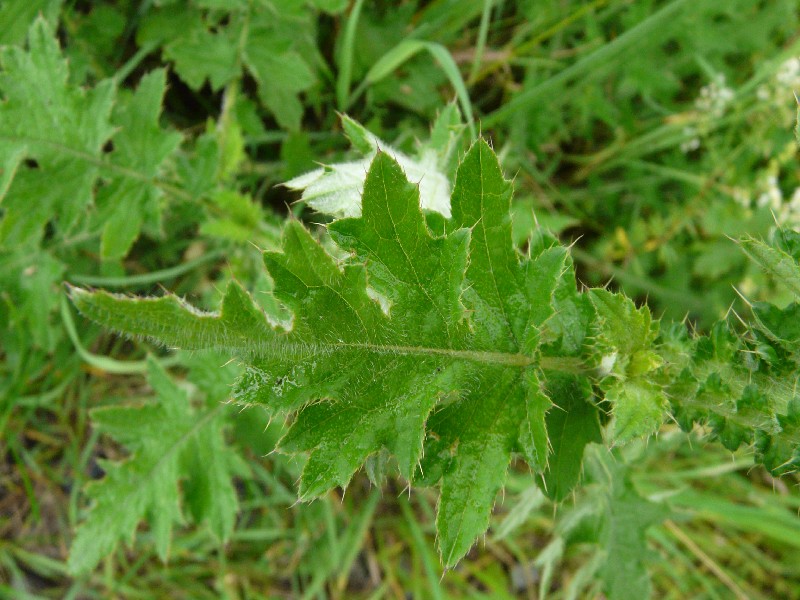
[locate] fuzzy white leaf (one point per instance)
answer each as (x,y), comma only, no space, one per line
(336,189)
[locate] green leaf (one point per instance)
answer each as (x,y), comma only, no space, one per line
(626,330)
(204,56)
(52,138)
(438,342)
(240,217)
(744,393)
(625,336)
(30,284)
(623,537)
(571,425)
(413,339)
(639,408)
(611,515)
(59,128)
(177,452)
(239,327)
(17,15)
(279,54)
(780,451)
(276,45)
(141,146)
(774,261)
(780,325)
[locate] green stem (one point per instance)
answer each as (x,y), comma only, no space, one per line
(480,45)
(133,62)
(345,77)
(145,279)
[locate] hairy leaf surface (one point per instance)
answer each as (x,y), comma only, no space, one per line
(416,341)
(438,341)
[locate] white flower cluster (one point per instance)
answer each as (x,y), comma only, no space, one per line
(741,196)
(711,104)
(769,195)
(714,97)
(789,73)
(778,91)
(691,141)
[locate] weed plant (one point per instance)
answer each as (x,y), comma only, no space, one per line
(142,151)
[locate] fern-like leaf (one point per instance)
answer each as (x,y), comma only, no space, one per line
(173,446)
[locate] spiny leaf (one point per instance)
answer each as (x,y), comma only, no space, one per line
(408,322)
(717,380)
(168,440)
(625,337)
(780,325)
(452,350)
(780,451)
(775,261)
(239,327)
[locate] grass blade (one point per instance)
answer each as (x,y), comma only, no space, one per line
(603,56)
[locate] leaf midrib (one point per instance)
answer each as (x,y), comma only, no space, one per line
(568,364)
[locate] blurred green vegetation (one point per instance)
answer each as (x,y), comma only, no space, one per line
(646,133)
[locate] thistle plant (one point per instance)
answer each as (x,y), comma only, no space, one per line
(438,342)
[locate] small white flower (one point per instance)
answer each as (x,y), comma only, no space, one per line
(714,97)
(742,197)
(692,141)
(772,196)
(690,145)
(607,364)
(789,73)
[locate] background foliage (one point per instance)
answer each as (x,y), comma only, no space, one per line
(140,148)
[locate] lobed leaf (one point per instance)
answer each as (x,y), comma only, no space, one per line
(438,342)
(141,146)
(415,339)
(168,440)
(625,337)
(59,128)
(52,148)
